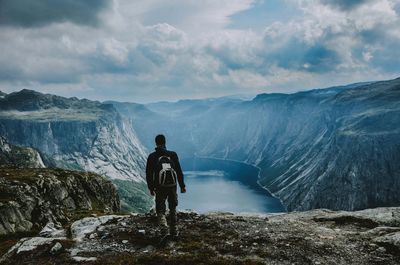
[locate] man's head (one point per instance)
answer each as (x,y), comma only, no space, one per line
(160,140)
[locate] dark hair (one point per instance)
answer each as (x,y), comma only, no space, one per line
(160,139)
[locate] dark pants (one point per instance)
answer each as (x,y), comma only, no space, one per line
(169,194)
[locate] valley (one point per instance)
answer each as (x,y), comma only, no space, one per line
(220,185)
(335,148)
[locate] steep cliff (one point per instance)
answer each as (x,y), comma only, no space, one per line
(337,148)
(78,134)
(83,133)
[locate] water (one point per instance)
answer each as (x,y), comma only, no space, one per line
(221,185)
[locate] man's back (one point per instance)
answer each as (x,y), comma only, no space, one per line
(157,187)
(151,167)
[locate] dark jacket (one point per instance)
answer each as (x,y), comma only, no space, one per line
(151,164)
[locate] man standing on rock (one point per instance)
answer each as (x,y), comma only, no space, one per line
(163,171)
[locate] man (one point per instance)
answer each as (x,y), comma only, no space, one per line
(162,172)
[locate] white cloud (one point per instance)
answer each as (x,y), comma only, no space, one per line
(152,50)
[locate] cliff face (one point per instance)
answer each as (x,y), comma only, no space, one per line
(337,148)
(77,134)
(313,237)
(351,161)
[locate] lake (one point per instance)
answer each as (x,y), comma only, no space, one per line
(224,185)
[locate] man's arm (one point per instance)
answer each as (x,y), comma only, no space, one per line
(179,172)
(149,173)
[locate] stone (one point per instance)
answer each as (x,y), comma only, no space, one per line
(84,259)
(31,244)
(80,228)
(56,248)
(50,230)
(392,239)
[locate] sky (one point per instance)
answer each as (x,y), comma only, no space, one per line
(152,50)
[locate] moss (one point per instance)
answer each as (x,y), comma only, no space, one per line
(350,220)
(7,241)
(22,175)
(160,258)
(42,255)
(6,196)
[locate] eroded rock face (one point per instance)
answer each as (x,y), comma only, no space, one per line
(19,157)
(311,237)
(74,133)
(78,134)
(30,198)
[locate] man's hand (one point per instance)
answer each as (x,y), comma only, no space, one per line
(152,192)
(183,189)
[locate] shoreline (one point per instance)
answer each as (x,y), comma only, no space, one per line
(257,181)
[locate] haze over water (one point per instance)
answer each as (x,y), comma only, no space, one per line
(221,189)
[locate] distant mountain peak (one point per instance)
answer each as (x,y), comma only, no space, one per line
(29,100)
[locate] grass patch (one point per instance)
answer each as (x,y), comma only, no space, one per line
(160,258)
(134,196)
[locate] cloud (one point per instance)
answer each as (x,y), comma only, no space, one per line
(345,4)
(146,51)
(28,13)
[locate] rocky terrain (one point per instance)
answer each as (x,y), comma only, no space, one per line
(336,148)
(19,157)
(78,134)
(314,237)
(32,196)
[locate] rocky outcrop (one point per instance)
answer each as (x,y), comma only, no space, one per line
(19,157)
(313,237)
(31,198)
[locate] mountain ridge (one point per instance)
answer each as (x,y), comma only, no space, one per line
(78,134)
(301,141)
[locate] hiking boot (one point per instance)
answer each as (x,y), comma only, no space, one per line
(162,223)
(174,232)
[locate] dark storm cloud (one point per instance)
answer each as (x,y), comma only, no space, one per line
(297,55)
(344,4)
(36,13)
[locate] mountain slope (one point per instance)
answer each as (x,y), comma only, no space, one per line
(88,134)
(76,134)
(337,148)
(31,195)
